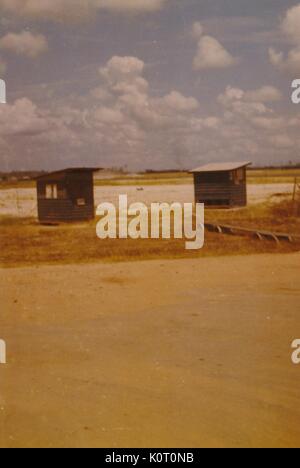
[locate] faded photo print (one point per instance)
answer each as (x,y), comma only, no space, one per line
(149,226)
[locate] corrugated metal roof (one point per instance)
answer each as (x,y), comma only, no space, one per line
(69,171)
(222,167)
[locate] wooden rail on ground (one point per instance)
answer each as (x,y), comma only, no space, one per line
(256,233)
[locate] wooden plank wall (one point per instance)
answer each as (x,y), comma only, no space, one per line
(63,211)
(219,190)
(66,209)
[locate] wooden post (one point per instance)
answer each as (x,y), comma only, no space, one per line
(296,199)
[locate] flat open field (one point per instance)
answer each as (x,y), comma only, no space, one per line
(186,353)
(21,202)
(24,242)
(255,176)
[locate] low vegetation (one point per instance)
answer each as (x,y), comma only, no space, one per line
(25,243)
(280,217)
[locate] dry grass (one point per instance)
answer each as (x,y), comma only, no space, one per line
(24,242)
(278,217)
(273,176)
(22,184)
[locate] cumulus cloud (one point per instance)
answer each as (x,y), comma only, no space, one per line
(130,97)
(211,54)
(250,126)
(291,24)
(167,131)
(177,102)
(250,106)
(247,112)
(289,64)
(290,27)
(21,118)
(263,94)
(24,43)
(76,10)
(121,122)
(120,69)
(230,95)
(120,116)
(106,115)
(269,123)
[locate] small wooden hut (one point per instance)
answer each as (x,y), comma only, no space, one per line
(66,196)
(222,185)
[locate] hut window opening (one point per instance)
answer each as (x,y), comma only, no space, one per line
(81,202)
(51,192)
(239,176)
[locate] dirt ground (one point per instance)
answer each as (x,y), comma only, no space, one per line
(22,201)
(185,353)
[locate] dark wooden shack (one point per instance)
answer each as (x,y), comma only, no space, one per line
(66,196)
(221,185)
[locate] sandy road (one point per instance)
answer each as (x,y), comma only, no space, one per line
(157,354)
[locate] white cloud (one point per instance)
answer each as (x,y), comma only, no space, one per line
(290,26)
(249,107)
(24,43)
(100,94)
(177,102)
(122,69)
(289,64)
(230,95)
(269,123)
(106,115)
(76,10)
(120,116)
(211,54)
(21,118)
(211,122)
(263,94)
(256,128)
(121,122)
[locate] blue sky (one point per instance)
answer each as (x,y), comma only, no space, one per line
(148,83)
